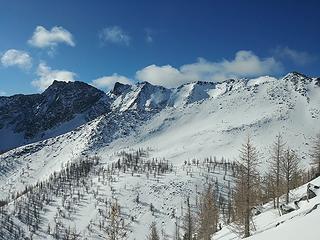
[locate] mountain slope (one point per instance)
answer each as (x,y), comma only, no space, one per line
(59,109)
(218,124)
(215,126)
(299,224)
(180,127)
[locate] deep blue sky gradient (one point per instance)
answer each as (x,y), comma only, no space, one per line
(182,31)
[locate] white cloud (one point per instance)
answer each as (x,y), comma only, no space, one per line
(107,82)
(3,93)
(167,75)
(245,64)
(43,38)
(297,57)
(116,35)
(46,76)
(18,58)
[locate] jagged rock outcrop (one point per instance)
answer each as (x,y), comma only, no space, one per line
(32,115)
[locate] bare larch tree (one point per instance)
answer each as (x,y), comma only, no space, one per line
(153,235)
(277,151)
(246,189)
(289,170)
(208,214)
(315,153)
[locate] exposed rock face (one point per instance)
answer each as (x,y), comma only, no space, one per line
(61,102)
(120,88)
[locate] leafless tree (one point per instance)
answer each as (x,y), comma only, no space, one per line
(289,170)
(208,214)
(246,190)
(277,151)
(315,153)
(188,223)
(115,228)
(153,235)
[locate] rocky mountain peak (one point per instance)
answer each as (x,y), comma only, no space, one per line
(60,104)
(120,88)
(75,103)
(296,76)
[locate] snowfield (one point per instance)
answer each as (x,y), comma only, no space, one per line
(181,127)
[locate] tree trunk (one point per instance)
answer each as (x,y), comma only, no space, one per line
(247,215)
(288,189)
(247,224)
(278,179)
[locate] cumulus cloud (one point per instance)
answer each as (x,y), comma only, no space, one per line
(107,82)
(245,64)
(167,75)
(43,38)
(297,57)
(46,76)
(18,58)
(116,35)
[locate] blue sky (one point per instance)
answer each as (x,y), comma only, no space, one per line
(163,42)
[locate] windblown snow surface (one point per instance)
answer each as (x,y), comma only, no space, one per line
(197,122)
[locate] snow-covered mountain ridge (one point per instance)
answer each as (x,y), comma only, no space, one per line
(65,106)
(213,115)
(196,120)
(60,108)
(192,122)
